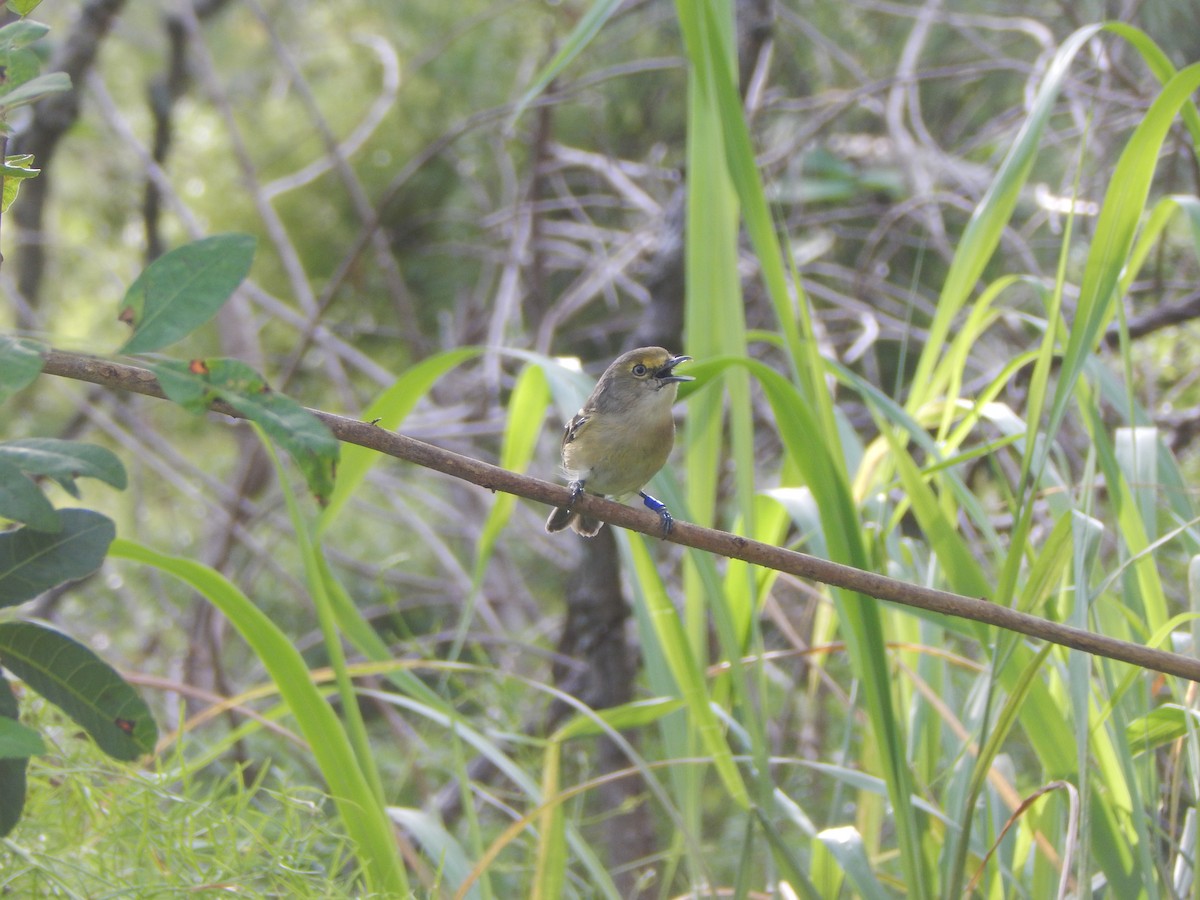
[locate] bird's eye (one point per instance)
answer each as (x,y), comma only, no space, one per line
(639,370)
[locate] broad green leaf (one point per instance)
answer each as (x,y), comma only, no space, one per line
(20,364)
(19,165)
(35,89)
(183,289)
(33,561)
(85,687)
(526,413)
(21,501)
(22,33)
(196,385)
(12,771)
(18,741)
(783,851)
(824,473)
(22,66)
(23,7)
(64,461)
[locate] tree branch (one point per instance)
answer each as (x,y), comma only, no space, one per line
(141,381)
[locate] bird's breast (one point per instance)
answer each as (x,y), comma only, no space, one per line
(621,452)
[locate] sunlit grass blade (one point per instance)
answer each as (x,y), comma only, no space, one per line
(714,325)
(317,576)
(362,816)
(1116,226)
(955,558)
(1143,592)
(1001,728)
(550,866)
(1160,65)
(586,28)
(688,676)
(526,413)
(982,234)
(858,617)
(387,411)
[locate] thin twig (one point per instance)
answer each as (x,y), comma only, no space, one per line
(131,378)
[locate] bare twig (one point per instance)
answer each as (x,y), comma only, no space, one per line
(137,380)
(1162,315)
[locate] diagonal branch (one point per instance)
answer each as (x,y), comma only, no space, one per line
(722,543)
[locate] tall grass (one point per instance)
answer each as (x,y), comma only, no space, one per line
(893,753)
(953,749)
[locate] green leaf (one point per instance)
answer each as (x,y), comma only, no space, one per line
(21,66)
(15,170)
(183,289)
(21,501)
(19,166)
(618,718)
(197,384)
(189,384)
(35,89)
(12,771)
(86,688)
(982,233)
(526,413)
(18,741)
(846,844)
(581,35)
(365,819)
(19,34)
(64,461)
(33,561)
(1118,222)
(20,364)
(388,410)
(689,677)
(1158,727)
(23,7)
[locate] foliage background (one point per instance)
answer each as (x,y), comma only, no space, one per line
(404,207)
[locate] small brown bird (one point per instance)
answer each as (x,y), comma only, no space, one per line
(622,436)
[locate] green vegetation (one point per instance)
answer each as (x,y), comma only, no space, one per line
(940,272)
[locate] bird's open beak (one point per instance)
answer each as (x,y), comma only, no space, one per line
(666,371)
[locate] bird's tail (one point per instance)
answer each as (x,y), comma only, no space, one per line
(582,525)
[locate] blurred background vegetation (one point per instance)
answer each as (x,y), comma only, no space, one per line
(406,205)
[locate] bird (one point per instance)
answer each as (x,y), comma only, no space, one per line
(621,437)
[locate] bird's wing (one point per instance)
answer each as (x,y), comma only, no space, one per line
(575,426)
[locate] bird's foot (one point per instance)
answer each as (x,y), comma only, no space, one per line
(661,508)
(576,492)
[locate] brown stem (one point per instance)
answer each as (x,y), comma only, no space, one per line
(132,378)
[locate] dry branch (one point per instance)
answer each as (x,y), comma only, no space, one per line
(131,378)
